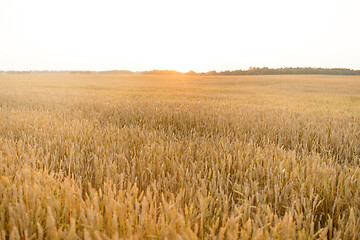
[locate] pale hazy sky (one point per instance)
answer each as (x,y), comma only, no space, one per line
(181,35)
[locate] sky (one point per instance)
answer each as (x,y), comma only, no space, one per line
(181,35)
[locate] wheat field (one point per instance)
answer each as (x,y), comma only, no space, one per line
(179,157)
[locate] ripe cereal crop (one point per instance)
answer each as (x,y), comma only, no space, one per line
(101,156)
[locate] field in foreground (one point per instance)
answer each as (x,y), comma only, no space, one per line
(154,157)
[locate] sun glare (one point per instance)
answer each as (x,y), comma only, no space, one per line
(179,35)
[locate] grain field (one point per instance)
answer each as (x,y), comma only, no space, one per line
(179,157)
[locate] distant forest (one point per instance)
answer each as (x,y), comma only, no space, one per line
(250,71)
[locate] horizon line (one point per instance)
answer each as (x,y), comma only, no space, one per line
(173,70)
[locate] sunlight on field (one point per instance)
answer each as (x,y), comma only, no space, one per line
(192,157)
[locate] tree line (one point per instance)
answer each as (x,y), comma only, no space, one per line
(298,70)
(250,71)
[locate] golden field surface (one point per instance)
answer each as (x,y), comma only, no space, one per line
(179,157)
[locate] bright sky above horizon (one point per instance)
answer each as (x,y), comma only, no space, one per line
(178,35)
